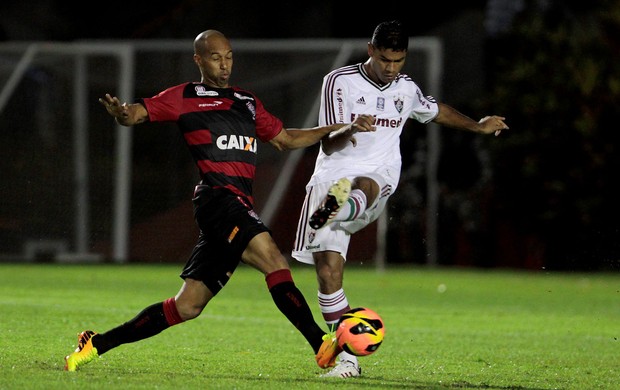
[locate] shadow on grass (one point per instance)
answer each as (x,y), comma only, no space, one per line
(362,382)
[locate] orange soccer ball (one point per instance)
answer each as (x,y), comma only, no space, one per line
(360,331)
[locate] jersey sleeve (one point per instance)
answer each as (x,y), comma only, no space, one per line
(166,105)
(267,125)
(334,108)
(425,108)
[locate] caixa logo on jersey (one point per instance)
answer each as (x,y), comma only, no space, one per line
(236,142)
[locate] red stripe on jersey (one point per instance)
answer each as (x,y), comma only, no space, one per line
(228,168)
(235,190)
(198,137)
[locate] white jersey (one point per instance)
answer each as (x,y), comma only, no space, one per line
(348,92)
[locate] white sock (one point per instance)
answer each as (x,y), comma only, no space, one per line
(333,306)
(353,208)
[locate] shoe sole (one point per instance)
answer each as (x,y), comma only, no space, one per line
(339,193)
(349,372)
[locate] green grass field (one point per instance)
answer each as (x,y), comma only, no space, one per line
(486,329)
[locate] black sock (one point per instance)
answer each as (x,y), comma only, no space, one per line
(147,323)
(293,305)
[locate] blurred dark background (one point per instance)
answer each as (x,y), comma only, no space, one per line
(542,195)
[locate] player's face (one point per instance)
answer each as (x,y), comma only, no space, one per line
(216,64)
(385,64)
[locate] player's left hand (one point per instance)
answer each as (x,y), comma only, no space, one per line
(364,123)
(493,124)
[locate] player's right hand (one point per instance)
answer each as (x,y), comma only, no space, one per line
(114,106)
(364,123)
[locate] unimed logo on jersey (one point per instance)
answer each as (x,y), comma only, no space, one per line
(340,104)
(239,142)
(383,122)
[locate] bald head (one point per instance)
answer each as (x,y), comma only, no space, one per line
(214,57)
(206,39)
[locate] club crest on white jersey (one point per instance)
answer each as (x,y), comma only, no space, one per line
(399,103)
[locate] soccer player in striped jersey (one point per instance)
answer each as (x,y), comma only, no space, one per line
(221,126)
(355,174)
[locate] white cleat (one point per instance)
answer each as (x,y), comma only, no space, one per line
(343,369)
(337,195)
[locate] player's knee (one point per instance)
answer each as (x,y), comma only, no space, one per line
(366,185)
(189,312)
(330,278)
(190,306)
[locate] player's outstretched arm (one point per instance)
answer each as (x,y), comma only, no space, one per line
(300,138)
(340,139)
(125,114)
(450,117)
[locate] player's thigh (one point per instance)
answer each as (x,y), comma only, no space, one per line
(263,254)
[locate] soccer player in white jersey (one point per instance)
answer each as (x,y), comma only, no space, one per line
(355,174)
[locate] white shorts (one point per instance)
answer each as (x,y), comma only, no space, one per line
(336,235)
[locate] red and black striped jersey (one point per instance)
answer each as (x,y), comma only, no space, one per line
(221,127)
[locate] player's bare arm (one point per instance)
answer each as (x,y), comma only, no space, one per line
(300,138)
(340,138)
(125,114)
(450,117)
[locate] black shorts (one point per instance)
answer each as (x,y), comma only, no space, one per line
(227,223)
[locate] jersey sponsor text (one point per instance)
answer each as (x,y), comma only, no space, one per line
(240,142)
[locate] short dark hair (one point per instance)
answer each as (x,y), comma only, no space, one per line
(390,35)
